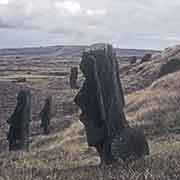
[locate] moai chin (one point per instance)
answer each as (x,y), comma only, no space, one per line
(101,100)
(19,121)
(45,115)
(73,78)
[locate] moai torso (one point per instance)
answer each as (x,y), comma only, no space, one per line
(45,114)
(18,135)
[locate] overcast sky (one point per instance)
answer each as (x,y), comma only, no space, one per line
(151,24)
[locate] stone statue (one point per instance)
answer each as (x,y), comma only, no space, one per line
(147,57)
(19,121)
(45,115)
(101,100)
(74,77)
(133,59)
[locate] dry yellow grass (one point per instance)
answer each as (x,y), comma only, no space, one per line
(64,154)
(156,107)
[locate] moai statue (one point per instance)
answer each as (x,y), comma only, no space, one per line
(133,60)
(19,121)
(45,115)
(146,57)
(101,100)
(74,77)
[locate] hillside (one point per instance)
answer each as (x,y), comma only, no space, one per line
(152,103)
(67,51)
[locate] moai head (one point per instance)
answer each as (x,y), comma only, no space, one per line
(133,59)
(146,57)
(23,97)
(101,97)
(48,100)
(18,135)
(101,100)
(74,77)
(74,70)
(87,66)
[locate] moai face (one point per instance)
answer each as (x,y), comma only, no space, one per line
(87,66)
(74,71)
(73,78)
(23,97)
(48,100)
(87,99)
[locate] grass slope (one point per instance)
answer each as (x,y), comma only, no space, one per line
(152,102)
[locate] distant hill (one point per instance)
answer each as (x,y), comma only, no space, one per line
(67,51)
(134,52)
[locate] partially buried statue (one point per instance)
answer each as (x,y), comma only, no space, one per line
(73,78)
(45,115)
(18,135)
(102,101)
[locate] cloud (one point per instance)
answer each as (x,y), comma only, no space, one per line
(130,23)
(4,2)
(98,12)
(71,7)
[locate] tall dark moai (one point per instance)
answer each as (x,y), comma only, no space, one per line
(73,78)
(45,115)
(101,100)
(19,122)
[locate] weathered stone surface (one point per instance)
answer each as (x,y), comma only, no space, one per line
(101,100)
(45,115)
(18,135)
(73,78)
